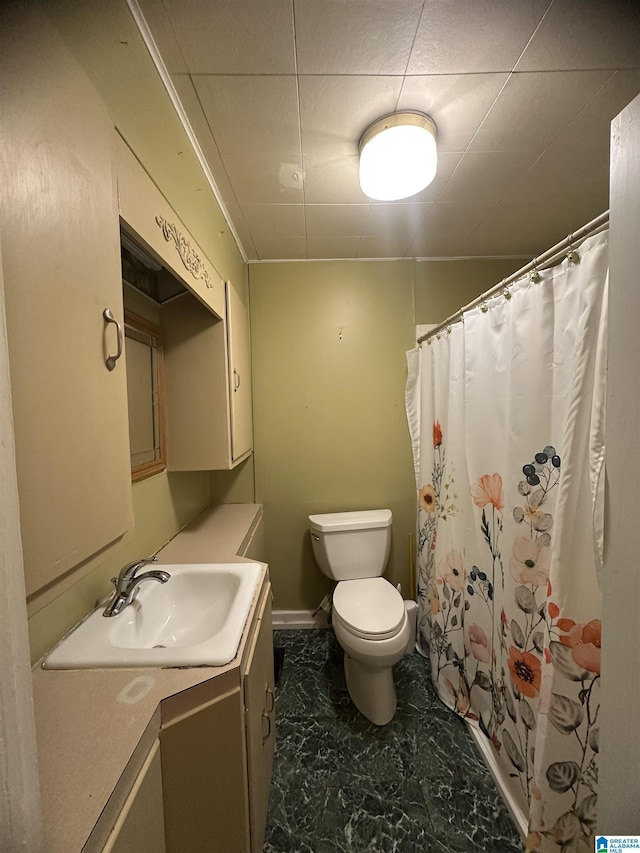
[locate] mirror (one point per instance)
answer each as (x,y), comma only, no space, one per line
(143,353)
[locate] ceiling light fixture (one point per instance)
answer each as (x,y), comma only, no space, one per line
(398,156)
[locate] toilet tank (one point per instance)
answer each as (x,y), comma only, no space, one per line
(351,545)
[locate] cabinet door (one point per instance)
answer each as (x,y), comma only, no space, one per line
(240,378)
(61,263)
(259,698)
(140,827)
(205,781)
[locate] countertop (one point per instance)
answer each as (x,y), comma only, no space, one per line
(95,727)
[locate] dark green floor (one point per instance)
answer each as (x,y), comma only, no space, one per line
(340,783)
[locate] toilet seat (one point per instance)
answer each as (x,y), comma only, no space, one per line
(370,608)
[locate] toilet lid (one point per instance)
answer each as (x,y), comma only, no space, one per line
(371,608)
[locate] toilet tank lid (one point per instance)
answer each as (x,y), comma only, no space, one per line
(360,520)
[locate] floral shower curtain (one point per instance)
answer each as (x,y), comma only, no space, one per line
(506,413)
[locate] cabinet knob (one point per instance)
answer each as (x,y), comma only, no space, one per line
(110,360)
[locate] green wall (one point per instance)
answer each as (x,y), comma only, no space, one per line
(442,287)
(329,368)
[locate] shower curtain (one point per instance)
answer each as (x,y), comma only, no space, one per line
(506,417)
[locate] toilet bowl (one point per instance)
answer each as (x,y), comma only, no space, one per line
(369,616)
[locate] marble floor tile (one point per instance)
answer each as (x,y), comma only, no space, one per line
(343,785)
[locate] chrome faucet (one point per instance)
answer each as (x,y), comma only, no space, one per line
(128,583)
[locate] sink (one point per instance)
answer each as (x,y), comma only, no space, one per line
(196,618)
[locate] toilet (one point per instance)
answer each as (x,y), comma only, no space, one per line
(372,623)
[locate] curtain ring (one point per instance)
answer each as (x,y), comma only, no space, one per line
(534,275)
(448,330)
(483,307)
(572,256)
(506,293)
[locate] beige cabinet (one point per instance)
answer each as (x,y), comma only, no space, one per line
(259,701)
(217,758)
(207,385)
(61,270)
(204,778)
(241,413)
(140,826)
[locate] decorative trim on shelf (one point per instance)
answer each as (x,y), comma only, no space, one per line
(188,255)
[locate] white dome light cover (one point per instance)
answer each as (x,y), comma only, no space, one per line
(398,156)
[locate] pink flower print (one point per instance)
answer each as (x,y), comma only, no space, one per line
(488,490)
(452,571)
(477,644)
(530,561)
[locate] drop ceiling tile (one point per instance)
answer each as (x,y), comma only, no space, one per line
(531,229)
(332,180)
(385,246)
(446,229)
(591,128)
(227,37)
(462,37)
(196,117)
(335,220)
(578,35)
(456,102)
(282,248)
(251,116)
(569,176)
(334,37)
(486,176)
(266,179)
(332,247)
(335,111)
(274,221)
(400,221)
(158,22)
(242,230)
(534,108)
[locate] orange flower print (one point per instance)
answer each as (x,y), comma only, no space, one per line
(437,434)
(427,497)
(584,641)
(526,672)
(488,490)
(477,644)
(530,561)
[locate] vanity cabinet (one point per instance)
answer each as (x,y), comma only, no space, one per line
(259,707)
(140,826)
(61,270)
(217,758)
(204,777)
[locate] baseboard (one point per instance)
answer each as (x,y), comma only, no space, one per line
(502,781)
(299,619)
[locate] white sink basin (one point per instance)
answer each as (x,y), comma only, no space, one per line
(196,618)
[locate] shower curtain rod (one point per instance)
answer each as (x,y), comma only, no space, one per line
(533,265)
